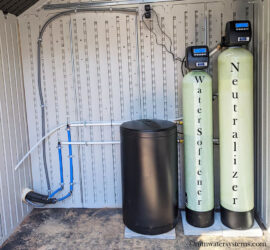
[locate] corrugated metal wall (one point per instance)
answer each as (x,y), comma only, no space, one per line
(13,129)
(107,66)
(262,43)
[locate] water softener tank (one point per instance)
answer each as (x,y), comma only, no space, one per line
(198,146)
(235,87)
(149,175)
(198,138)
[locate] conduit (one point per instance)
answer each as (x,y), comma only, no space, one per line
(50,20)
(98,4)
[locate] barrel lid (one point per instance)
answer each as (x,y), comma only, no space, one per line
(147,126)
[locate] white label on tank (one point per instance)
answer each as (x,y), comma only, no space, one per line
(201,64)
(243,39)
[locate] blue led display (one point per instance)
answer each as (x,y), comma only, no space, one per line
(198,51)
(241,25)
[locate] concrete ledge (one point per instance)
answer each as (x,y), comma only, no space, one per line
(218,229)
(167,236)
(214,230)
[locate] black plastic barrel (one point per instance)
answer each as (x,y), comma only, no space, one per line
(149,175)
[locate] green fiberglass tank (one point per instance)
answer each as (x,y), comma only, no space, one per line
(198,144)
(235,87)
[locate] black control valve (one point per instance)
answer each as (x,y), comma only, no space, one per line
(147,13)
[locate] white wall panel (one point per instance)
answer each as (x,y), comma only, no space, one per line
(107,66)
(13,129)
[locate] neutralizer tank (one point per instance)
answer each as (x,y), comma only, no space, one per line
(235,87)
(198,144)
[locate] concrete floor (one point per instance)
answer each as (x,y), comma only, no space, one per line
(103,229)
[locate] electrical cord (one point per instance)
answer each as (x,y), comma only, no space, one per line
(169,50)
(182,66)
(160,28)
(163,32)
(34,204)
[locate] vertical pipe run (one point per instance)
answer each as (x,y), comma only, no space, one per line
(42,116)
(61,172)
(61,169)
(61,164)
(70,159)
(70,166)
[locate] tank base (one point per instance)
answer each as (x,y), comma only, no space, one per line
(200,219)
(152,231)
(237,220)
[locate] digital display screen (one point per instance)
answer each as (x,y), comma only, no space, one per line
(199,51)
(241,25)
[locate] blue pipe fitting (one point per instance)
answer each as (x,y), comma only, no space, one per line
(61,172)
(61,169)
(70,166)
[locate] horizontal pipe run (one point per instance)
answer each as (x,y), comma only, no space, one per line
(86,143)
(73,124)
(99,4)
(87,124)
(68,12)
(99,9)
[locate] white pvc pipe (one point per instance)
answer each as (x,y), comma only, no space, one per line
(86,143)
(37,144)
(214,51)
(72,124)
(87,124)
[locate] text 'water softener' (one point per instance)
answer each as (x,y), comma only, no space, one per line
(198,138)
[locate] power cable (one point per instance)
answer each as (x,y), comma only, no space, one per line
(169,50)
(34,204)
